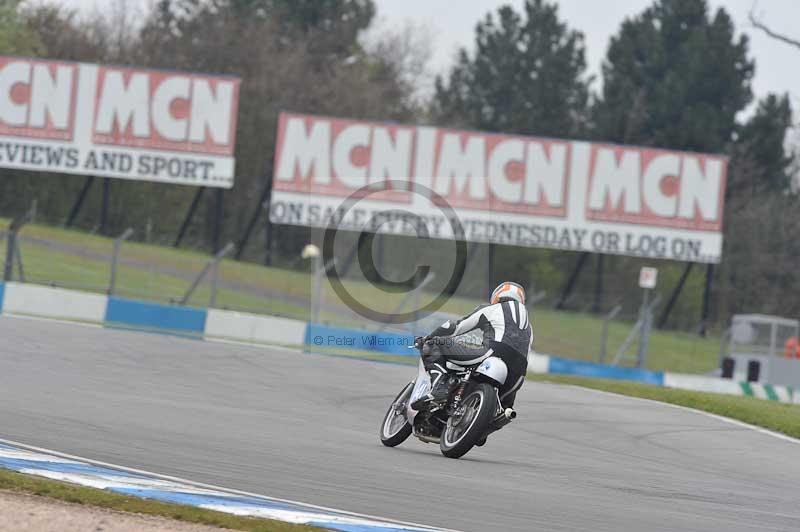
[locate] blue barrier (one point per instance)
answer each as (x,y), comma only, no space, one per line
(2,295)
(589,369)
(327,337)
(154,316)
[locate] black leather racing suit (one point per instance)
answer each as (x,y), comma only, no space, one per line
(507,334)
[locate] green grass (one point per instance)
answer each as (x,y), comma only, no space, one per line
(779,417)
(578,336)
(163,273)
(71,493)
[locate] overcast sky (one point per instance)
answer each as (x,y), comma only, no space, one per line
(452,22)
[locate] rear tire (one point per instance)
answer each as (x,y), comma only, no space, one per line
(392,432)
(460,435)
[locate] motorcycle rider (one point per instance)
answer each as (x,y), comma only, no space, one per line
(507,334)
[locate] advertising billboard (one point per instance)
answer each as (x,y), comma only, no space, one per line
(503,189)
(121,122)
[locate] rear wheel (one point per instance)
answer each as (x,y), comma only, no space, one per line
(396,428)
(470,422)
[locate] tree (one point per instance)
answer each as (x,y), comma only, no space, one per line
(63,34)
(15,37)
(675,77)
(328,27)
(527,75)
(758,157)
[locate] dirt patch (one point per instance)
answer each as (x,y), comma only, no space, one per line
(21,512)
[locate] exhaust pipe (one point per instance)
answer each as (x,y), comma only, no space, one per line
(427,439)
(503,419)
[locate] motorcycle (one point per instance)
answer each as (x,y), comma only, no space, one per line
(469,414)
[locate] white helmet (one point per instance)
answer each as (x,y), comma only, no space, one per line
(508,290)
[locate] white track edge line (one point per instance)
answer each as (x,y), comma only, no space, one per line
(256,345)
(134,330)
(718,417)
(231,491)
(63,321)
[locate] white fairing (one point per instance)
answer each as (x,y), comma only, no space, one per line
(495,369)
(421,386)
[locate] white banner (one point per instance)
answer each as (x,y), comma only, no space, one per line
(502,189)
(108,121)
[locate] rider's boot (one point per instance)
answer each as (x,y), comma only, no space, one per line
(440,387)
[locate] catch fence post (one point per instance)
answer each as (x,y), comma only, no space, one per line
(316,290)
(606,323)
(208,267)
(12,247)
(18,260)
(115,258)
(8,272)
(648,310)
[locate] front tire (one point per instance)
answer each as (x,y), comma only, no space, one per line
(395,428)
(466,429)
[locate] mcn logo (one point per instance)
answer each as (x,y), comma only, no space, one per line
(131,107)
(502,173)
(160,110)
(37,98)
(656,187)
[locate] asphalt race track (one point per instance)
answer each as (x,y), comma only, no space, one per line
(304,427)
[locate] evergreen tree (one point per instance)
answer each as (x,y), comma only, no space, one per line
(758,157)
(527,75)
(675,77)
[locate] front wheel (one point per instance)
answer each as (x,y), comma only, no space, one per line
(470,422)
(396,428)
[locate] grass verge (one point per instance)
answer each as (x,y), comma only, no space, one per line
(779,417)
(62,491)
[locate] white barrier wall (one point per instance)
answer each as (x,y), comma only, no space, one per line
(254,328)
(702,383)
(538,363)
(45,301)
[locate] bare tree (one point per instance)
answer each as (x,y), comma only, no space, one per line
(757,22)
(405,53)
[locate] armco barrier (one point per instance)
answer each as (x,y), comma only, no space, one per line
(152,316)
(326,337)
(48,302)
(701,382)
